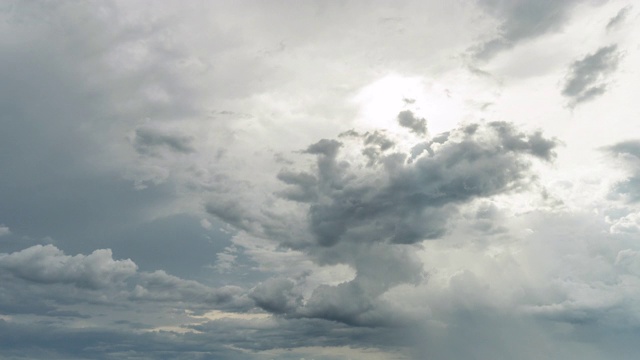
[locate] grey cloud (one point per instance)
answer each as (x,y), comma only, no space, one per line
(586,78)
(160,286)
(346,303)
(70,95)
(303,186)
(376,144)
(45,280)
(329,171)
(224,339)
(407,119)
(522,20)
(413,204)
(231,212)
(148,139)
(357,302)
(619,18)
(46,341)
(629,152)
(292,333)
(48,265)
(361,217)
(276,295)
(629,147)
(326,147)
(378,139)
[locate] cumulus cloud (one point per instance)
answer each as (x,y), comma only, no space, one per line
(370,216)
(586,78)
(44,279)
(276,295)
(49,265)
(4,230)
(406,202)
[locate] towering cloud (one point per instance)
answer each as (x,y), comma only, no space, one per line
(367,216)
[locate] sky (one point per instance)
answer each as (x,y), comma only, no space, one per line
(320,179)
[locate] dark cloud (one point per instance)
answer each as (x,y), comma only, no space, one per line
(303,186)
(363,217)
(522,20)
(45,341)
(276,295)
(147,140)
(586,78)
(292,333)
(619,18)
(226,339)
(160,286)
(407,119)
(378,139)
(413,203)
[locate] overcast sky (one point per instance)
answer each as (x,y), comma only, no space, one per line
(320,179)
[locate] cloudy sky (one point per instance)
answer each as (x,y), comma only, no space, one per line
(320,179)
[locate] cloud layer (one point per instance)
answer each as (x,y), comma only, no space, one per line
(406,180)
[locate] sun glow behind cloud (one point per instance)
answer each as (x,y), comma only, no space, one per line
(381,101)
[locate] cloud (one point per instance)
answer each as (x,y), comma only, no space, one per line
(131,129)
(49,265)
(629,153)
(45,281)
(22,341)
(629,147)
(276,295)
(160,286)
(407,119)
(407,202)
(371,216)
(148,139)
(522,20)
(4,230)
(619,18)
(586,78)
(303,186)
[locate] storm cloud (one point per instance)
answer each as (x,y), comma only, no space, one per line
(319,180)
(405,202)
